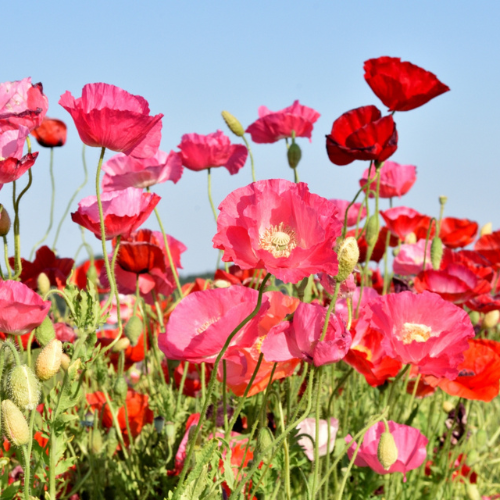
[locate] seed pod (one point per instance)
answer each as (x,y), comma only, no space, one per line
(387,451)
(49,360)
(121,345)
(348,256)
(221,284)
(448,406)
(120,389)
(436,252)
(443,199)
(490,319)
(475,318)
(294,155)
(23,387)
(43,284)
(14,424)
(4,221)
(133,329)
(372,229)
(486,229)
(233,123)
(45,332)
(264,441)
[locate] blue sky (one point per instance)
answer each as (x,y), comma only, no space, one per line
(191,60)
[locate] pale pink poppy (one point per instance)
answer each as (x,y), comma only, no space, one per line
(22,104)
(109,117)
(201,323)
(308,426)
(199,152)
(124,212)
(12,162)
(352,217)
(21,309)
(280,226)
(395,179)
(410,442)
(410,259)
(423,330)
(272,126)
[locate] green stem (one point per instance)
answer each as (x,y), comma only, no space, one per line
(295,176)
(13,349)
(6,256)
(331,308)
(210,195)
(317,464)
(181,385)
(427,242)
(27,471)
(286,453)
(387,280)
(251,157)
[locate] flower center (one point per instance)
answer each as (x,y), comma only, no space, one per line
(278,240)
(207,323)
(414,332)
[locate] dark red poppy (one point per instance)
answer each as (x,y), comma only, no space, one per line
(82,272)
(489,246)
(362,134)
(51,133)
(402,221)
(378,249)
(401,86)
(457,233)
(140,257)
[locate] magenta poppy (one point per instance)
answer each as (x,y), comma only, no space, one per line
(395,179)
(410,259)
(12,162)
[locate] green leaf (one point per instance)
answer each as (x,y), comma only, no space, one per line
(228,470)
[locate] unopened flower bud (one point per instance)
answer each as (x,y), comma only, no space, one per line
(96,441)
(159,422)
(294,155)
(233,123)
(121,345)
(45,332)
(14,424)
(49,360)
(490,319)
(372,229)
(264,441)
(43,284)
(472,491)
(411,239)
(4,221)
(448,406)
(133,330)
(120,389)
(486,229)
(348,256)
(73,368)
(170,431)
(221,284)
(472,457)
(65,362)
(387,452)
(111,442)
(475,317)
(481,438)
(23,387)
(443,199)
(436,252)
(92,275)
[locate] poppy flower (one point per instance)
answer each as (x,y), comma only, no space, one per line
(402,221)
(308,426)
(367,296)
(122,171)
(124,211)
(237,276)
(132,354)
(280,226)
(395,179)
(362,134)
(410,259)
(51,133)
(12,162)
(200,152)
(401,85)
(410,442)
(378,249)
(272,126)
(489,246)
(423,330)
(83,272)
(484,303)
(457,233)
(353,215)
(109,117)
(22,104)
(21,309)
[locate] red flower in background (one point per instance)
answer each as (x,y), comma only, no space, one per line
(400,85)
(84,272)
(402,221)
(484,303)
(472,260)
(133,354)
(489,246)
(457,233)
(51,133)
(395,179)
(379,248)
(192,384)
(353,213)
(237,276)
(362,134)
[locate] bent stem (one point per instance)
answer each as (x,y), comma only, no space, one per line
(251,157)
(210,195)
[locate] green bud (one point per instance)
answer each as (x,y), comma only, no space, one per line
(387,452)
(120,389)
(4,221)
(372,230)
(233,123)
(23,387)
(264,440)
(43,284)
(111,442)
(294,155)
(472,457)
(14,424)
(481,438)
(436,252)
(92,274)
(45,332)
(348,256)
(133,329)
(475,317)
(49,360)
(122,345)
(472,491)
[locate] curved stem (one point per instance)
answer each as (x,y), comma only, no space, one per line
(251,157)
(210,195)
(17,235)
(13,349)
(6,256)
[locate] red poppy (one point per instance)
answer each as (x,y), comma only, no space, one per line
(402,221)
(472,260)
(362,134)
(379,248)
(489,246)
(484,303)
(457,233)
(237,276)
(401,86)
(81,274)
(460,469)
(192,383)
(51,133)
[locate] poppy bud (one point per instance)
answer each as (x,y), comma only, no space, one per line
(120,389)
(410,239)
(23,387)
(486,229)
(436,252)
(49,360)
(264,441)
(387,451)
(443,199)
(73,368)
(472,457)
(95,436)
(170,431)
(348,256)
(472,491)
(133,330)
(475,318)
(45,332)
(233,123)
(14,424)
(4,221)
(121,345)
(92,275)
(490,319)
(111,442)
(221,284)
(43,284)
(372,229)
(294,155)
(65,362)
(481,438)
(448,406)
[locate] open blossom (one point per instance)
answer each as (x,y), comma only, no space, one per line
(51,133)
(457,233)
(123,171)
(410,259)
(124,211)
(272,126)
(109,117)
(395,179)
(12,162)
(200,152)
(489,246)
(423,330)
(308,426)
(280,226)
(353,215)
(402,221)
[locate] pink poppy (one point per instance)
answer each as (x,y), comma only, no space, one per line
(122,171)
(302,337)
(280,226)
(272,126)
(64,332)
(109,117)
(352,218)
(308,426)
(410,259)
(423,330)
(402,221)
(201,323)
(200,152)
(12,162)
(22,104)
(21,309)
(124,211)
(484,303)
(395,179)
(410,442)
(367,296)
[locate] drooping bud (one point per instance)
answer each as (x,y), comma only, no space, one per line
(348,256)
(121,345)
(45,332)
(133,329)
(49,360)
(448,406)
(43,284)
(475,317)
(387,452)
(436,252)
(264,441)
(294,155)
(233,123)
(411,238)
(65,362)
(14,424)
(120,389)
(490,319)
(23,387)
(486,229)
(372,229)
(4,221)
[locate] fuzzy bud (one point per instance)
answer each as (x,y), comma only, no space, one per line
(264,441)
(23,387)
(65,362)
(92,275)
(120,389)
(14,424)
(233,123)
(133,329)
(45,332)
(475,318)
(49,360)
(448,406)
(387,452)
(4,221)
(121,345)
(348,256)
(43,284)
(111,442)
(294,155)
(472,457)
(486,229)
(490,319)
(411,239)
(372,229)
(436,252)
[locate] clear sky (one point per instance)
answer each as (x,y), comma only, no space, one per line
(192,59)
